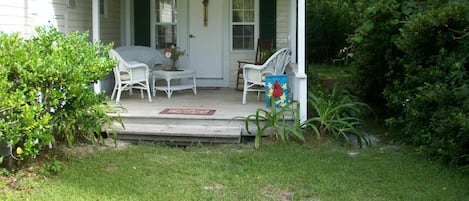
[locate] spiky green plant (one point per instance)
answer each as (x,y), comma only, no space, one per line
(276,119)
(337,115)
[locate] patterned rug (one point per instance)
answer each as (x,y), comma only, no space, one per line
(208,88)
(188,111)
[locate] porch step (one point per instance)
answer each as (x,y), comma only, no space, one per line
(179,134)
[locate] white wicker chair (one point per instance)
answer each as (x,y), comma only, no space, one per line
(254,75)
(129,75)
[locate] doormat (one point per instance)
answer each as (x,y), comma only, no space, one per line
(208,88)
(188,111)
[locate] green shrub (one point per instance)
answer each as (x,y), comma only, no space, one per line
(23,123)
(374,44)
(45,89)
(429,95)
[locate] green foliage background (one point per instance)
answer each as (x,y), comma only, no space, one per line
(328,25)
(429,93)
(409,57)
(412,57)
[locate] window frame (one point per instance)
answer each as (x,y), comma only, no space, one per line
(174,13)
(255,24)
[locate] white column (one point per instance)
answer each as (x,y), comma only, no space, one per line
(152,24)
(95,18)
(301,76)
(128,14)
(95,36)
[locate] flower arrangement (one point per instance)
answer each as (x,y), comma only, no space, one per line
(174,54)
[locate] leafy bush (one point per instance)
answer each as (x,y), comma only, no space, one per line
(337,114)
(374,44)
(23,123)
(429,95)
(45,91)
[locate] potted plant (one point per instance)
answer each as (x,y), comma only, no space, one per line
(174,54)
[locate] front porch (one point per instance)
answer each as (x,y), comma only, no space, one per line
(143,121)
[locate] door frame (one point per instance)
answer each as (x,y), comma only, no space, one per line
(225,45)
(184,43)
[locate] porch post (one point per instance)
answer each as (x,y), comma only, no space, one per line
(302,78)
(128,13)
(95,36)
(152,24)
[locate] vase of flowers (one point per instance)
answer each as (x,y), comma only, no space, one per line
(174,54)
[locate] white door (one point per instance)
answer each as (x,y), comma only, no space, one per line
(206,39)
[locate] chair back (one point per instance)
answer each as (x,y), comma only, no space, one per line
(147,55)
(123,73)
(277,63)
(263,46)
(122,64)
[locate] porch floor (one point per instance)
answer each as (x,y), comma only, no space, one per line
(143,121)
(226,102)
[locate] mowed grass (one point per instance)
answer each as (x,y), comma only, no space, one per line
(239,172)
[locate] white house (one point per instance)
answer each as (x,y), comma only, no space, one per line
(215,34)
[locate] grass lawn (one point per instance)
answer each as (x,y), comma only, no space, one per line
(328,71)
(239,172)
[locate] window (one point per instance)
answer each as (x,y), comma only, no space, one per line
(243,24)
(166,23)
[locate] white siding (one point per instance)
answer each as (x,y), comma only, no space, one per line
(283,23)
(79,17)
(110,24)
(24,16)
(15,16)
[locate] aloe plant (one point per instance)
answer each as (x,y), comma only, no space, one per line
(275,118)
(337,115)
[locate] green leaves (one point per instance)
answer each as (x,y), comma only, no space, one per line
(284,122)
(336,115)
(428,95)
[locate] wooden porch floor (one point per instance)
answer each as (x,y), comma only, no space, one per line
(143,121)
(226,102)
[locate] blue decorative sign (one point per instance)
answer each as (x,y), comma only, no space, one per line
(276,87)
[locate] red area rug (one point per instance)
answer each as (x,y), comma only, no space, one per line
(188,111)
(208,88)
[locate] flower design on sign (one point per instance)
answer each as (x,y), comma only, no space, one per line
(277,91)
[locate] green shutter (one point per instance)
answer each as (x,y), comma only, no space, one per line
(268,20)
(142,22)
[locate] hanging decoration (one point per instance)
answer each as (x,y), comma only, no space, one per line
(205,2)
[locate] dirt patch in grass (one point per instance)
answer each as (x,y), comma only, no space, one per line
(108,144)
(29,175)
